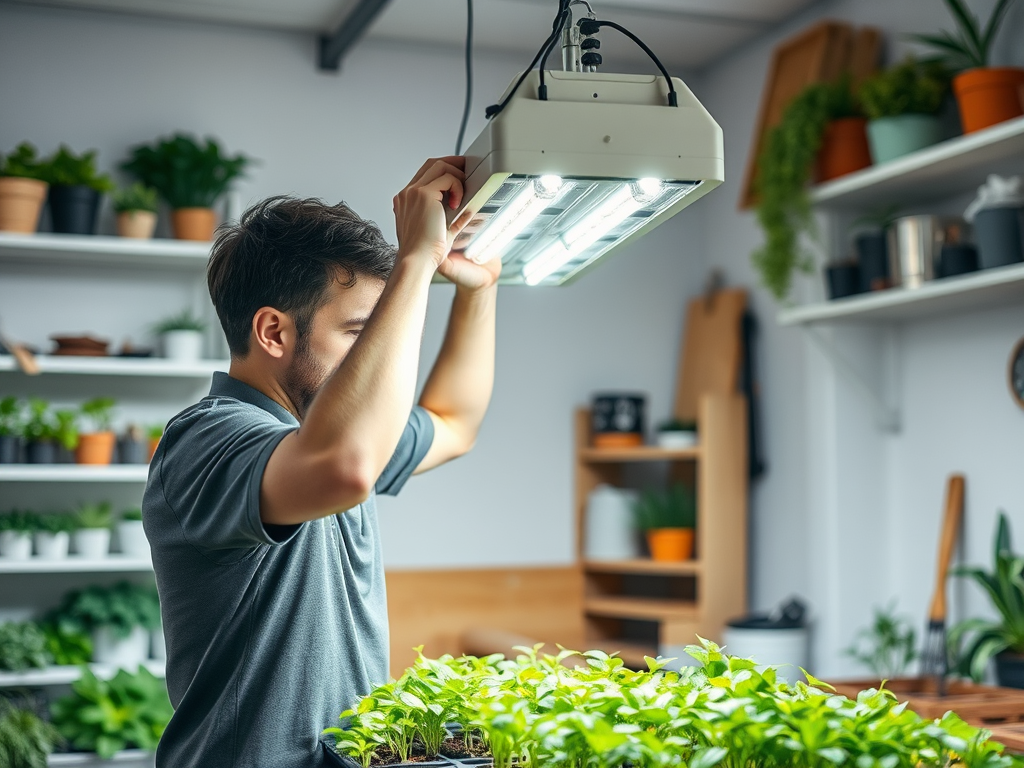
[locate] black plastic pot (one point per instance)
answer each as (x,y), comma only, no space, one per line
(1000,236)
(873,258)
(41,452)
(956,259)
(332,758)
(842,280)
(1010,669)
(10,449)
(73,209)
(132,451)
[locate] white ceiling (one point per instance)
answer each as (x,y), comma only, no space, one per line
(684,33)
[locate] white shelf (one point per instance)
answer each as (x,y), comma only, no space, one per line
(66,675)
(73,473)
(76,564)
(987,288)
(948,168)
(120,366)
(90,759)
(99,250)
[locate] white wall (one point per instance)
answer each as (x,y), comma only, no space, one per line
(848,516)
(108,81)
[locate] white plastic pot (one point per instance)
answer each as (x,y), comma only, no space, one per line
(92,543)
(132,539)
(610,531)
(124,653)
(675,439)
(16,545)
(159,646)
(183,345)
(52,546)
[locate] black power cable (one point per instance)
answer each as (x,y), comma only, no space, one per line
(593,26)
(469,77)
(564,16)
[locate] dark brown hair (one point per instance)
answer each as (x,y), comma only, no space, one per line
(284,253)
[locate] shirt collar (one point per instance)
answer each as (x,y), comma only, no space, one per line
(225,386)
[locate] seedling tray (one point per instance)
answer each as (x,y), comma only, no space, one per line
(332,758)
(980,705)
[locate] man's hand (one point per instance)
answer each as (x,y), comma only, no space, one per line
(419,209)
(468,274)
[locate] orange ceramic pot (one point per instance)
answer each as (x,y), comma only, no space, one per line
(193,223)
(21,201)
(670,545)
(989,95)
(844,148)
(95,448)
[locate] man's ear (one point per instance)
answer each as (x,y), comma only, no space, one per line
(274,332)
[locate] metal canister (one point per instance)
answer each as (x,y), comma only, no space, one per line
(914,246)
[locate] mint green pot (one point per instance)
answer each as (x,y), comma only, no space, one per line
(892,137)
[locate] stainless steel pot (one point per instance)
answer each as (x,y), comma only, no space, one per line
(914,246)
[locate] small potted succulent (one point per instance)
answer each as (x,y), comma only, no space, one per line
(11,416)
(135,207)
(190,177)
(902,105)
(677,433)
(53,535)
(131,535)
(46,432)
(16,535)
(668,519)
(76,189)
(92,537)
(118,618)
(96,446)
(22,189)
(182,336)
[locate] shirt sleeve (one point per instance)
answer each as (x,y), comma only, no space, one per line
(211,474)
(416,440)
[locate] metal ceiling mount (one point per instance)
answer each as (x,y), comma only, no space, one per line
(334,47)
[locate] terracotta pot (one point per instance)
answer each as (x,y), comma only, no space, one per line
(95,448)
(21,201)
(989,95)
(670,545)
(844,148)
(153,443)
(193,223)
(136,224)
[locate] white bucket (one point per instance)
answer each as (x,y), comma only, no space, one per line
(15,545)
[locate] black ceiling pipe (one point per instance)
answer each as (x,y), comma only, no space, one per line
(334,47)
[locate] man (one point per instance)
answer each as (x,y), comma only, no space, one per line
(260,503)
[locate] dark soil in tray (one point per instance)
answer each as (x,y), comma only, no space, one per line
(455,748)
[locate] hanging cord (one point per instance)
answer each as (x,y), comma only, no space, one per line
(564,16)
(469,77)
(589,27)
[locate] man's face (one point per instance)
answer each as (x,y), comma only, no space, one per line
(335,328)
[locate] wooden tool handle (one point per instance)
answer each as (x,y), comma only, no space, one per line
(947,543)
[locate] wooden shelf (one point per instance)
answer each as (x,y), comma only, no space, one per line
(644,566)
(642,453)
(47,251)
(649,608)
(941,170)
(75,564)
(35,678)
(73,473)
(156,367)
(978,290)
(631,653)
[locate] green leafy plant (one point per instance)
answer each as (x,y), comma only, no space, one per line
(183,321)
(155,432)
(674,508)
(971,44)
(66,647)
(677,425)
(185,173)
(975,642)
(57,522)
(25,739)
(784,170)
(137,197)
(99,411)
(22,646)
(11,416)
(96,515)
(120,608)
(127,711)
(911,87)
(20,522)
(23,163)
(133,513)
(888,646)
(47,425)
(65,168)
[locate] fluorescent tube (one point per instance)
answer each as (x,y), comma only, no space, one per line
(506,225)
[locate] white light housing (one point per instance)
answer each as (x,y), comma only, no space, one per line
(555,185)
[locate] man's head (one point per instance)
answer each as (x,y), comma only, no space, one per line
(293,284)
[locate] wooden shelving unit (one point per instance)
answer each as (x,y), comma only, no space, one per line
(706,591)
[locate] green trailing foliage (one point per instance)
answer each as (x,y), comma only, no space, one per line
(25,739)
(673,508)
(66,647)
(888,646)
(185,173)
(137,197)
(971,44)
(67,169)
(183,321)
(22,646)
(909,88)
(784,170)
(539,711)
(23,163)
(106,716)
(120,609)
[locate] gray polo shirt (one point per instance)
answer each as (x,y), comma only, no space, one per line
(271,630)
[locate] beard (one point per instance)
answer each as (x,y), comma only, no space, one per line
(304,377)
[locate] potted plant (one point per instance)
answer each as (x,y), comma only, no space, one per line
(182,336)
(190,177)
(22,646)
(154,433)
(92,537)
(888,647)
(22,189)
(668,519)
(819,129)
(677,433)
(53,535)
(131,535)
(986,95)
(842,278)
(76,189)
(902,105)
(16,535)
(118,618)
(132,446)
(976,642)
(46,431)
(135,207)
(11,416)
(65,646)
(96,446)
(26,741)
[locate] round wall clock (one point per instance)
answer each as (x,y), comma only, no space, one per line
(1017,373)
